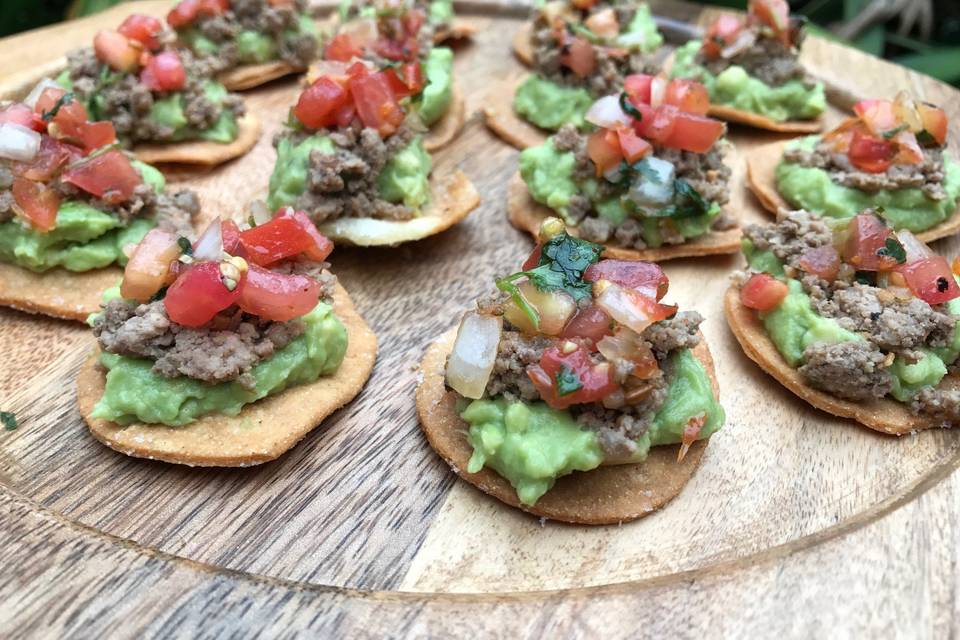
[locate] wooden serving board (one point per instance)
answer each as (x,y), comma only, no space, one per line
(797,524)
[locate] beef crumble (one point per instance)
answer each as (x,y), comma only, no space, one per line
(767,59)
(794,234)
(851,370)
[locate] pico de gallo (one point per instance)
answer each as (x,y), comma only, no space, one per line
(890,155)
(149,90)
(230,33)
(208,326)
(585,363)
(860,310)
(650,174)
(583,49)
(752,64)
(69,197)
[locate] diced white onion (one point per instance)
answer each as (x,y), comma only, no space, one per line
(18,143)
(632,39)
(620,305)
(210,244)
(474,353)
(915,248)
(606,113)
(34,94)
(260,212)
(744,40)
(658,90)
(554,309)
(648,191)
(362,31)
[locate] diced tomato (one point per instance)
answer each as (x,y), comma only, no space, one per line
(277,296)
(878,115)
(189,10)
(871,154)
(775,14)
(345,115)
(70,121)
(149,265)
(21,114)
(656,124)
(694,133)
(688,96)
(908,149)
(144,29)
(603,23)
(632,146)
(406,80)
(109,176)
(722,32)
(934,121)
(866,235)
(644,277)
(412,21)
(691,432)
(98,134)
(931,279)
(603,148)
(579,57)
(534,258)
(823,262)
(762,292)
(583,4)
(376,105)
(37,202)
(320,102)
(117,51)
(595,381)
(637,86)
(356,70)
(321,246)
(198,294)
(285,236)
(230,236)
(589,323)
(342,47)
(164,72)
(52,156)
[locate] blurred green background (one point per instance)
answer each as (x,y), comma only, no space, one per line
(921,34)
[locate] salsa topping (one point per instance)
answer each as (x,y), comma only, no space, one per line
(729,35)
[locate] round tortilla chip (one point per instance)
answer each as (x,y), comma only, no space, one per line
(449,126)
(59,293)
(248,76)
(527,214)
(762,164)
(606,495)
(750,119)
(262,431)
(522,45)
(460,29)
(453,197)
(886,416)
(203,152)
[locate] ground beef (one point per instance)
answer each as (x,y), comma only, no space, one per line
(794,233)
(851,370)
(940,403)
(122,99)
(344,183)
(227,349)
(319,271)
(927,176)
(6,196)
(678,332)
(515,353)
(768,60)
(262,17)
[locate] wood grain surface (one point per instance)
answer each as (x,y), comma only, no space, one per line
(796,525)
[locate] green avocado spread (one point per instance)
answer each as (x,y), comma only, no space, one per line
(532,445)
(254,47)
(437,92)
(735,88)
(405,178)
(549,175)
(135,393)
(83,239)
(812,189)
(440,11)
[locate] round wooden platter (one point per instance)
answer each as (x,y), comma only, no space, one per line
(796,524)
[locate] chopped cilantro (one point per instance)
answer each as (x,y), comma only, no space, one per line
(892,133)
(649,173)
(252,221)
(65,99)
(628,107)
(687,202)
(926,140)
(893,249)
(567,381)
(185,246)
(159,295)
(865,277)
(9,420)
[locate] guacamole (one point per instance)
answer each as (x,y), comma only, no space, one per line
(254,47)
(550,180)
(532,445)
(735,88)
(812,189)
(435,98)
(83,239)
(134,393)
(440,11)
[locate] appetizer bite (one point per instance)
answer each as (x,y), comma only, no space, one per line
(649,183)
(752,70)
(573,364)
(857,319)
(890,156)
(247,42)
(579,52)
(352,156)
(70,201)
(441,21)
(399,36)
(225,351)
(163,102)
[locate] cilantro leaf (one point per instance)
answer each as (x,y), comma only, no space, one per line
(892,133)
(687,202)
(567,381)
(9,420)
(159,295)
(893,249)
(65,99)
(185,246)
(647,172)
(628,107)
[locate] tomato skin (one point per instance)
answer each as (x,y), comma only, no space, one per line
(646,278)
(719,34)
(584,4)
(109,176)
(342,48)
(164,72)
(823,262)
(117,51)
(866,235)
(97,134)
(282,237)
(870,154)
(878,115)
(149,265)
(694,133)
(934,122)
(637,87)
(775,14)
(590,323)
(320,246)
(277,296)
(319,104)
(376,105)
(534,258)
(656,124)
(21,114)
(52,156)
(187,11)
(580,57)
(406,80)
(142,28)
(37,202)
(603,148)
(198,294)
(70,121)
(230,236)
(931,279)
(763,292)
(632,146)
(596,380)
(688,96)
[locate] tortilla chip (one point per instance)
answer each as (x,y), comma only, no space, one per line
(454,196)
(203,152)
(59,293)
(607,495)
(501,118)
(460,29)
(762,122)
(886,416)
(762,163)
(248,76)
(262,431)
(448,127)
(522,44)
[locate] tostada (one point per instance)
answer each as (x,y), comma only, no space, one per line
(573,364)
(247,42)
(225,351)
(890,156)
(578,51)
(857,319)
(441,22)
(651,182)
(70,201)
(163,102)
(752,70)
(352,156)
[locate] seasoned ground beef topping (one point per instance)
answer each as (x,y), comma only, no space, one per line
(851,370)
(767,59)
(794,233)
(126,102)
(262,17)
(927,176)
